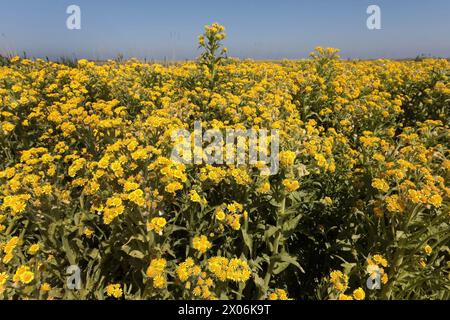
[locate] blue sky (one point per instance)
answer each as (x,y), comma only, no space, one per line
(259,29)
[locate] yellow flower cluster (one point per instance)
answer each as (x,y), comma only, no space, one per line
(225,269)
(291,185)
(87,176)
(157,225)
(381,185)
(114,208)
(278,294)
(201,244)
(114,290)
(231,214)
(339,280)
(187,269)
(376,268)
(23,274)
(8,249)
(340,283)
(156,272)
(17,203)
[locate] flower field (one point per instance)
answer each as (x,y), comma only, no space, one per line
(359,208)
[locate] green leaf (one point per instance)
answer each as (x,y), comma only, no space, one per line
(280,267)
(259,282)
(285,257)
(270,232)
(290,226)
(247,240)
(136,254)
(68,251)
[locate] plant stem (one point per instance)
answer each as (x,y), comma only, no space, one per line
(275,247)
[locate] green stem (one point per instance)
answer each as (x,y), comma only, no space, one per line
(399,253)
(275,247)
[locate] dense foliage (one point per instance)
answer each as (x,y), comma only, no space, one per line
(363,191)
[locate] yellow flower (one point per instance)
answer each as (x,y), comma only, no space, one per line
(339,280)
(114,202)
(235,207)
(414,195)
(220,215)
(137,196)
(111,213)
(291,185)
(287,158)
(8,127)
(380,260)
(16,203)
(157,225)
(34,248)
(27,277)
(197,291)
(273,296)
(116,167)
(238,270)
(76,166)
(114,290)
(359,294)
(104,162)
(3,278)
(379,157)
(422,263)
(19,272)
(380,184)
(186,269)
(88,232)
(130,186)
(94,142)
(264,188)
(384,278)
(156,268)
(45,287)
(278,294)
(195,196)
(173,187)
(435,200)
(159,281)
(218,266)
(328,201)
(201,244)
(7,258)
(394,204)
(233,220)
(11,245)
